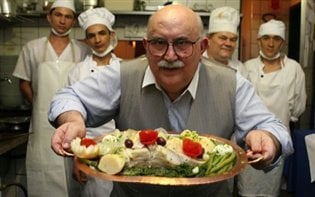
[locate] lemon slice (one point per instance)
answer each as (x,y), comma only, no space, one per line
(111,163)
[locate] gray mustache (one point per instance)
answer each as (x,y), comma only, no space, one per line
(165,64)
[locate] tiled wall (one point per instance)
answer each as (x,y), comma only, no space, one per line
(14,34)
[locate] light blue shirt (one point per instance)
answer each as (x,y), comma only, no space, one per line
(101,96)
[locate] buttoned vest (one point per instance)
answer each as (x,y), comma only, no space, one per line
(212,111)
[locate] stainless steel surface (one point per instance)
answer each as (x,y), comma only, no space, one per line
(7,8)
(14,123)
(85,4)
(9,140)
(6,79)
(15,120)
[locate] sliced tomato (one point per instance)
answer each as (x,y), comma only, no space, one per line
(87,142)
(191,148)
(148,137)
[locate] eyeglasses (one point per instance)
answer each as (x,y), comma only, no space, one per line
(182,48)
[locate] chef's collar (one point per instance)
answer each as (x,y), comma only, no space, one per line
(150,80)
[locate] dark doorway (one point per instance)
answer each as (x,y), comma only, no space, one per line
(294,32)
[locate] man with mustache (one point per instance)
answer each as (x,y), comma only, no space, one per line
(171,88)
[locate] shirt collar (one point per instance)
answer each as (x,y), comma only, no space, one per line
(149,79)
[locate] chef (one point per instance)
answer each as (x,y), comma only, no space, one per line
(100,36)
(42,68)
(222,37)
(280,83)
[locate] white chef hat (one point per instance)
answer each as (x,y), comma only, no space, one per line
(63,3)
(96,16)
(272,27)
(224,19)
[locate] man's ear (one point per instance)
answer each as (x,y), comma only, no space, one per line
(204,44)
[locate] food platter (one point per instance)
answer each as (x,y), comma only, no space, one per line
(240,164)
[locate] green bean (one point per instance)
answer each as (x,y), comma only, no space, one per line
(229,158)
(209,163)
(225,168)
(220,158)
(216,159)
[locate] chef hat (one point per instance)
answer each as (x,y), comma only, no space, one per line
(96,16)
(63,3)
(224,19)
(272,27)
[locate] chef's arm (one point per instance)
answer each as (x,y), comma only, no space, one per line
(26,89)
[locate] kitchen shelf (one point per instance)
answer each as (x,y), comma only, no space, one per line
(145,13)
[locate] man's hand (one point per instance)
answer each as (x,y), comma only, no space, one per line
(262,144)
(71,126)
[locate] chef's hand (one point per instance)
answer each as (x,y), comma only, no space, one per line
(262,144)
(71,126)
(77,174)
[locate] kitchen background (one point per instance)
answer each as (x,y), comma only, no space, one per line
(27,21)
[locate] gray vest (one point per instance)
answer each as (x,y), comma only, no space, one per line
(211,112)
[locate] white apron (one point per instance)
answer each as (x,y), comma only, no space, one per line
(47,173)
(271,89)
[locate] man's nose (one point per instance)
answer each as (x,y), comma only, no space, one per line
(170,53)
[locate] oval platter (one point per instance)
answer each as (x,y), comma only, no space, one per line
(241,163)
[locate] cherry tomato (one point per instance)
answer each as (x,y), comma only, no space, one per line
(148,137)
(87,142)
(191,148)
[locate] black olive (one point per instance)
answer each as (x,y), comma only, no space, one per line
(201,154)
(161,141)
(128,143)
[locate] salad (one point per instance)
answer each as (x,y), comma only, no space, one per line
(155,153)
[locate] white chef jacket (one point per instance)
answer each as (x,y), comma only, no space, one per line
(85,69)
(233,63)
(105,100)
(283,91)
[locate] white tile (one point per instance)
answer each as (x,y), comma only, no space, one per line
(78,33)
(43,31)
(199,5)
(27,34)
(155,2)
(11,36)
(11,50)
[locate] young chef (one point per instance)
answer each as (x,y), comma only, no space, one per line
(280,83)
(100,36)
(42,68)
